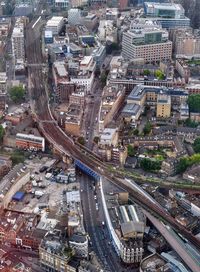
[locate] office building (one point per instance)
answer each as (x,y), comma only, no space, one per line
(55,24)
(60,4)
(169,15)
(74,16)
(163,107)
(146,40)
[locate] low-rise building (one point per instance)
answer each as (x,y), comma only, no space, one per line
(30,142)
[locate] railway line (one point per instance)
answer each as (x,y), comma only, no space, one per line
(65,145)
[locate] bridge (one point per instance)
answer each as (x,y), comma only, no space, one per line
(87,170)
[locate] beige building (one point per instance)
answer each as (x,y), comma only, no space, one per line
(186,44)
(146,40)
(54,255)
(163,108)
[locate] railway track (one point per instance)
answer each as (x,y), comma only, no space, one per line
(66,146)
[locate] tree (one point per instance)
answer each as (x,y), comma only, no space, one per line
(196,145)
(194,103)
(146,72)
(103,78)
(147,128)
(150,165)
(17,94)
(131,151)
(96,139)
(81,140)
(159,74)
(2,132)
(182,165)
(136,132)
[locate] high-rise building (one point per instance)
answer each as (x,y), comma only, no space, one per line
(146,40)
(169,15)
(18,40)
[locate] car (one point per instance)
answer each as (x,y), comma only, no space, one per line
(43,168)
(36,173)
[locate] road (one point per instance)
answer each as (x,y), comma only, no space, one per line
(64,144)
(92,113)
(99,235)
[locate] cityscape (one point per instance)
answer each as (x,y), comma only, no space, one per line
(99,136)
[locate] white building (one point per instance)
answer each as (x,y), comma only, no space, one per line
(85,76)
(55,24)
(61,4)
(79,243)
(109,137)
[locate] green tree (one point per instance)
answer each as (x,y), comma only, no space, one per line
(136,132)
(96,139)
(103,78)
(194,103)
(17,94)
(131,151)
(146,72)
(182,165)
(2,132)
(147,128)
(150,165)
(196,145)
(159,74)
(81,140)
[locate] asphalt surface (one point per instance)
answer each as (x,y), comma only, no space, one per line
(99,235)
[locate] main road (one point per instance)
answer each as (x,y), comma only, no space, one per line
(64,144)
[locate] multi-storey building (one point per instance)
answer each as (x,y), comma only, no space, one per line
(17,39)
(112,100)
(61,4)
(30,142)
(55,24)
(146,40)
(186,44)
(163,107)
(55,254)
(170,15)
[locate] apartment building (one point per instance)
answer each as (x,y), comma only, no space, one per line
(146,40)
(17,40)
(163,107)
(186,44)
(112,100)
(54,254)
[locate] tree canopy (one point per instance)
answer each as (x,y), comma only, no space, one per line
(194,103)
(159,74)
(150,165)
(2,132)
(131,151)
(196,145)
(17,94)
(147,128)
